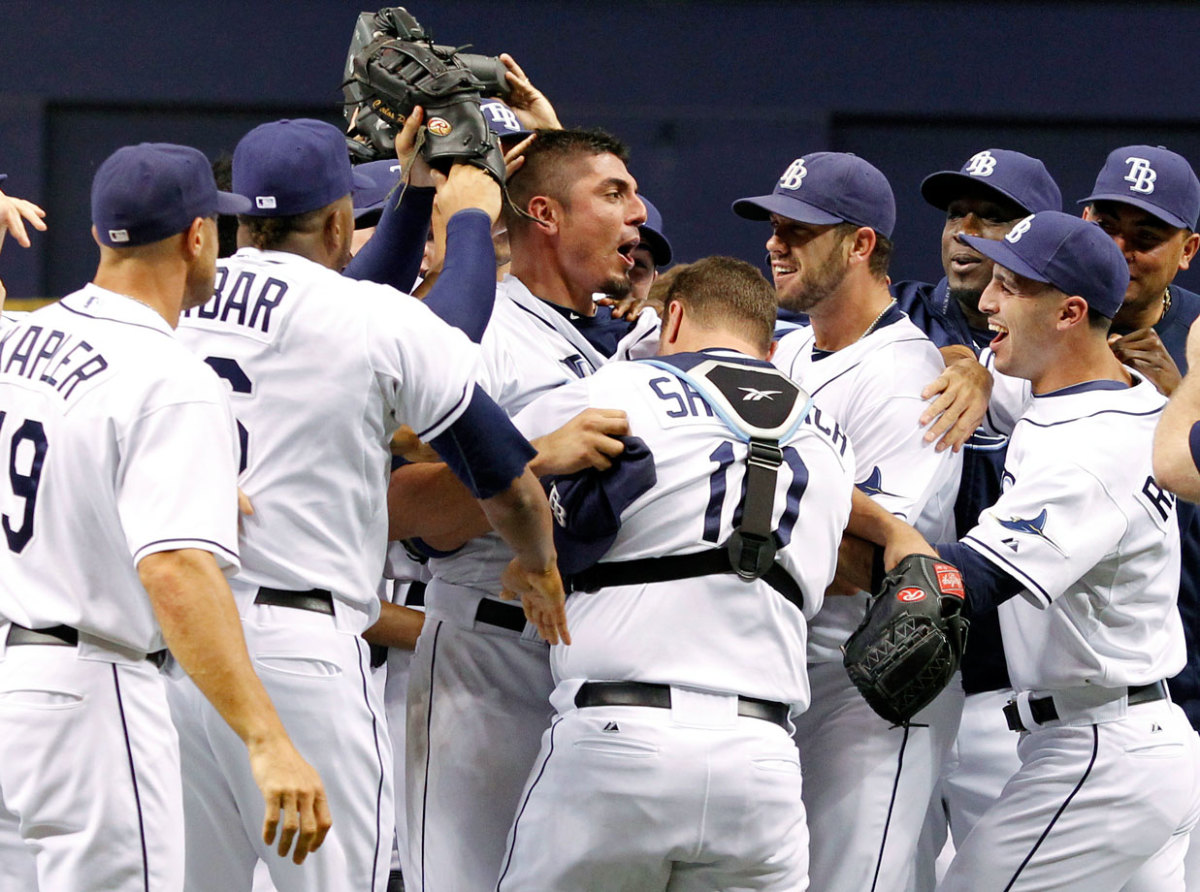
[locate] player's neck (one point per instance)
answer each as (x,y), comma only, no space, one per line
(1078,362)
(160,287)
(1145,313)
(547,281)
(849,315)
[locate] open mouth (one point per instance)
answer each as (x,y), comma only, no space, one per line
(780,270)
(1001,333)
(626,249)
(964,262)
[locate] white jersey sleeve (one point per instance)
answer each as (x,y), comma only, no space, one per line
(1035,533)
(1010,398)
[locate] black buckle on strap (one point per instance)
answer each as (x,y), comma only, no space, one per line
(1043,709)
(317,600)
(658,696)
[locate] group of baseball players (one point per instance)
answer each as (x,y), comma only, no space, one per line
(539,582)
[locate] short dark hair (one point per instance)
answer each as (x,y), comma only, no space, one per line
(545,171)
(269,233)
(881,256)
(1098,321)
(728,293)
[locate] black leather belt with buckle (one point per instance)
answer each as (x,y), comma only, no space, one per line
(318,600)
(638,693)
(1043,710)
(63,636)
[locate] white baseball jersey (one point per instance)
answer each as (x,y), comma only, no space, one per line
(724,634)
(322,370)
(873,389)
(1010,398)
(118,445)
(1084,527)
(529,348)
(10,319)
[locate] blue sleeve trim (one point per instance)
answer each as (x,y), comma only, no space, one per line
(392,256)
(990,554)
(1194,444)
(987,585)
(465,292)
(483,449)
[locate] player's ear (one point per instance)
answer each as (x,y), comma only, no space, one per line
(861,244)
(96,237)
(545,213)
(193,239)
(1074,310)
(671,324)
(1190,245)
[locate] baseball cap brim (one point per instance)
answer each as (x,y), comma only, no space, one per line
(228,203)
(1148,207)
(942,187)
(1002,253)
(761,207)
(660,248)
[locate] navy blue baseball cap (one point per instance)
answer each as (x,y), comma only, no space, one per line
(1074,255)
(826,188)
(502,120)
(152,191)
(369,199)
(587,505)
(293,167)
(1016,176)
(652,234)
(1151,178)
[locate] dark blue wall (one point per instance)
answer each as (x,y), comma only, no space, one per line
(715,98)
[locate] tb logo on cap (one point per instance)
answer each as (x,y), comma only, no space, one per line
(1141,175)
(981,164)
(1014,234)
(502,115)
(794,175)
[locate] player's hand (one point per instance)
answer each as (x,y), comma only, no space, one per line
(589,440)
(14,213)
(412,165)
(296,808)
(514,158)
(1144,352)
(903,540)
(531,106)
(542,599)
(628,307)
(962,392)
(407,445)
(466,187)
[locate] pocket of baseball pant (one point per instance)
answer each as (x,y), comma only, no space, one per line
(614,745)
(291,664)
(778,765)
(40,698)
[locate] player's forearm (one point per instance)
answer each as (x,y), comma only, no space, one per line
(873,523)
(199,620)
(1174,465)
(427,501)
(521,515)
(397,626)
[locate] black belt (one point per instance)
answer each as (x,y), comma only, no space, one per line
(506,616)
(318,600)
(638,693)
(1042,709)
(676,566)
(63,636)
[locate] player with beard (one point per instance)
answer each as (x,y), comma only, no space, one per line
(866,784)
(479,691)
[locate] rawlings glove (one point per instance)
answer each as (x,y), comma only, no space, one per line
(393,66)
(909,645)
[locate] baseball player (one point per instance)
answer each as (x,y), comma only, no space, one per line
(992,191)
(322,368)
(1109,784)
(671,740)
(478,696)
(14,214)
(1177,437)
(119,515)
(866,784)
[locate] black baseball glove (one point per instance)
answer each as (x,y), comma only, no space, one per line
(910,643)
(394,66)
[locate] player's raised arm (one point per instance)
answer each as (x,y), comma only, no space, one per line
(1177,437)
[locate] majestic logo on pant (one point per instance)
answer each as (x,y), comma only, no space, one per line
(794,175)
(981,164)
(1141,175)
(1014,234)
